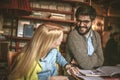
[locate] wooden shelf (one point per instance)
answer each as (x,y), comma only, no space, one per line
(65,1)
(8,26)
(69,15)
(48,19)
(53,11)
(2,39)
(18,38)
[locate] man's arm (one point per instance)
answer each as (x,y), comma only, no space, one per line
(99,51)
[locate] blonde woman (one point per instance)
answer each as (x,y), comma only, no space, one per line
(38,58)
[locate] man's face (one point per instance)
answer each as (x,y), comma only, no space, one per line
(84,24)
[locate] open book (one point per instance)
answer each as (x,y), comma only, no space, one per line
(102,71)
(83,77)
(97,73)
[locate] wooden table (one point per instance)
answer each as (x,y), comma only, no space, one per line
(105,78)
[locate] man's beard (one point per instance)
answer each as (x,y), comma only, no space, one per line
(82,33)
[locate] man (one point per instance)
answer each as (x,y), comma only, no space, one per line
(111,51)
(83,46)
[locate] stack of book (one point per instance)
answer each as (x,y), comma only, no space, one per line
(36,13)
(57,16)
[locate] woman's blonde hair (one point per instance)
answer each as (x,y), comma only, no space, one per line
(45,35)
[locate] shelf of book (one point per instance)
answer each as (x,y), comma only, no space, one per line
(57,11)
(53,11)
(14,38)
(17,42)
(69,1)
(48,19)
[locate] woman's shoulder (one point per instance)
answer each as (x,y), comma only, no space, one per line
(54,50)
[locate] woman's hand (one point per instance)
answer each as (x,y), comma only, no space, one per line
(72,69)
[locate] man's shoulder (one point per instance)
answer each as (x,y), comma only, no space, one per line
(96,33)
(73,32)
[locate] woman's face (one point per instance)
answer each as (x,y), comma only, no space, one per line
(58,42)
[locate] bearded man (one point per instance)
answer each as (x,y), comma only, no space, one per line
(83,47)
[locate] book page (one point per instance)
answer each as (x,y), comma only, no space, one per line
(92,73)
(90,78)
(80,76)
(109,70)
(102,71)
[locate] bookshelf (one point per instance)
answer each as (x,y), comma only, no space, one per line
(10,25)
(9,28)
(42,11)
(46,19)
(17,42)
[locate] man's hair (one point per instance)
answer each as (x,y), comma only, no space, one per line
(85,9)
